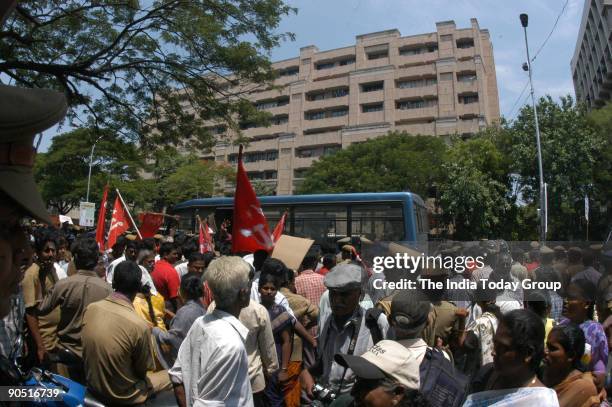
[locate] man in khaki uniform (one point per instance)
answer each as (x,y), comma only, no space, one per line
(38,283)
(117,348)
(72,295)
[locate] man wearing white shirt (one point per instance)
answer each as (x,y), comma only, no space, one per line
(212,368)
(131,251)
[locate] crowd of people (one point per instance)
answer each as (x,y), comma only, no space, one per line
(156,314)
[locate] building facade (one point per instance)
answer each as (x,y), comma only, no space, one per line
(592,61)
(440,83)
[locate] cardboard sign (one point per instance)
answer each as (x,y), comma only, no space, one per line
(291,250)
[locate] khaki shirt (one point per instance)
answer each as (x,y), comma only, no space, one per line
(442,322)
(34,292)
(117,351)
(305,312)
(72,295)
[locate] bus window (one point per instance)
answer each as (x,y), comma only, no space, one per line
(273,215)
(378,221)
(320,221)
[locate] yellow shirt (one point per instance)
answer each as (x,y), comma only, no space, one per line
(159,309)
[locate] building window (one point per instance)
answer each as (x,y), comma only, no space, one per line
(378,55)
(465,43)
(269,104)
(467,99)
(276,120)
(372,86)
(374,107)
(290,71)
(299,172)
(447,76)
(418,49)
(415,104)
(331,150)
(347,61)
(466,77)
(304,153)
(416,83)
(327,94)
(446,37)
(338,112)
(324,65)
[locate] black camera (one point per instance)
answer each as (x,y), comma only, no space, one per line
(322,395)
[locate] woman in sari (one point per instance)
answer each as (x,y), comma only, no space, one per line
(148,303)
(518,348)
(579,309)
(282,328)
(563,369)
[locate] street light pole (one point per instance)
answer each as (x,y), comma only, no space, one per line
(543,207)
(90,164)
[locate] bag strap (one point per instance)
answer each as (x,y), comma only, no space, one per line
(371,321)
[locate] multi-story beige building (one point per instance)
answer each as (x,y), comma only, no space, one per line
(592,61)
(440,83)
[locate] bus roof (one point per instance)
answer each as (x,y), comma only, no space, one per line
(300,199)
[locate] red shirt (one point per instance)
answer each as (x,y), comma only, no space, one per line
(310,285)
(323,271)
(166,279)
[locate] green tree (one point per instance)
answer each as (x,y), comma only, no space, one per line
(573,156)
(263,188)
(61,173)
(153,68)
(475,195)
(395,162)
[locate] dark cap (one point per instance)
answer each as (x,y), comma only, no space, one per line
(344,276)
(410,310)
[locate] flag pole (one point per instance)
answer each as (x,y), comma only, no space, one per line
(129,214)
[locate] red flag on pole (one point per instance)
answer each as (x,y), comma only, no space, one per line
(250,228)
(278,229)
(206,243)
(150,223)
(119,223)
(102,220)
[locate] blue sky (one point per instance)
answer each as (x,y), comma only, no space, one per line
(330,24)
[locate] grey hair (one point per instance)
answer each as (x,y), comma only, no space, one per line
(226,276)
(143,254)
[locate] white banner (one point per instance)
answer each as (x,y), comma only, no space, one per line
(586,207)
(87,214)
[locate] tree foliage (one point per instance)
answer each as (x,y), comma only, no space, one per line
(61,173)
(396,162)
(154,68)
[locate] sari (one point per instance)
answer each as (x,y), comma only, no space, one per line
(577,390)
(280,321)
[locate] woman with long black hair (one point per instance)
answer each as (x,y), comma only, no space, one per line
(563,370)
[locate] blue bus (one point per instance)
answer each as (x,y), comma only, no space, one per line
(327,218)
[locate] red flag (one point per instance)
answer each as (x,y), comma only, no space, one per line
(102,220)
(206,243)
(250,229)
(119,223)
(150,223)
(278,229)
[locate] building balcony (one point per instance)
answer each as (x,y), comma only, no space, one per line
(467,87)
(326,103)
(465,52)
(261,131)
(422,91)
(415,59)
(261,165)
(332,137)
(467,126)
(275,111)
(261,145)
(417,128)
(372,117)
(468,109)
(324,123)
(336,70)
(303,162)
(374,63)
(466,66)
(416,71)
(327,84)
(269,94)
(371,97)
(414,114)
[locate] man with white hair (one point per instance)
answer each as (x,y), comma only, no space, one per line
(212,366)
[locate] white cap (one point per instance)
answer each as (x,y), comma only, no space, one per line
(386,358)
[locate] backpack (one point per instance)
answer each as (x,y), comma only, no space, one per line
(441,384)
